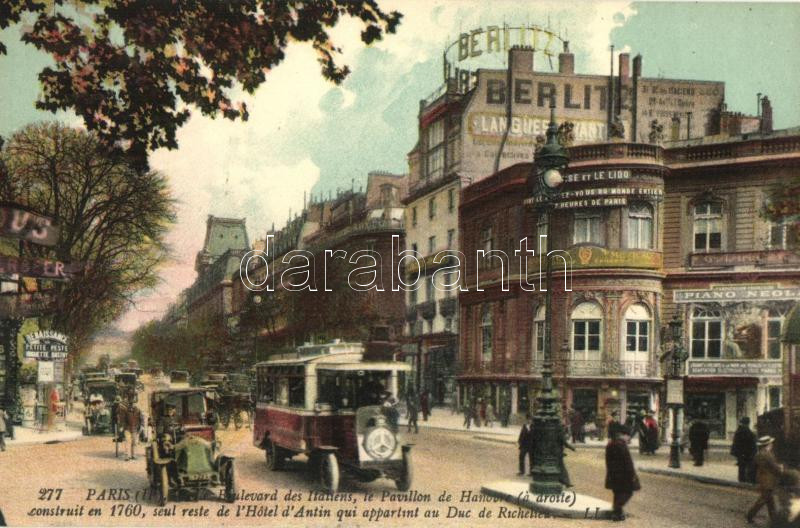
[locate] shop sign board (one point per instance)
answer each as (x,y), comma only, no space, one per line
(739,293)
(46,372)
(46,345)
(751,368)
(16,222)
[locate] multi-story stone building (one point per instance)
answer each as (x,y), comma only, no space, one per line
(650,232)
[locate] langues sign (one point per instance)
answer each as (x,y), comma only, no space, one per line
(16,222)
(39,268)
(46,344)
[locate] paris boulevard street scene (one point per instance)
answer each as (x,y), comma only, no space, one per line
(402,263)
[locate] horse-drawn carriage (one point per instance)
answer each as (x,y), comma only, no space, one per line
(99,399)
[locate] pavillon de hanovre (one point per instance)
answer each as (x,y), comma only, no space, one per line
(660,214)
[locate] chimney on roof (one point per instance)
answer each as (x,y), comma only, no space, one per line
(520,59)
(624,66)
(566,60)
(765,127)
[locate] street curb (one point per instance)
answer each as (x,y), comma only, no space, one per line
(698,478)
(14,443)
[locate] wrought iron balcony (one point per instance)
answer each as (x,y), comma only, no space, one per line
(428,309)
(448,306)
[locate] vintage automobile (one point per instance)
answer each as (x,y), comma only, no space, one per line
(185,454)
(98,416)
(179,379)
(234,403)
(327,402)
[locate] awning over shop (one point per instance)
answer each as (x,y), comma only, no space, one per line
(791,334)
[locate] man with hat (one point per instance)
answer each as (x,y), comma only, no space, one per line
(129,421)
(621,476)
(768,471)
(744,449)
(698,441)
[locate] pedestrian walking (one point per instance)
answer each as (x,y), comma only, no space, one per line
(698,441)
(524,446)
(614,425)
(576,426)
(744,448)
(490,416)
(425,405)
(3,418)
(651,434)
(467,414)
(621,476)
(768,473)
(130,422)
(564,477)
(412,411)
(482,411)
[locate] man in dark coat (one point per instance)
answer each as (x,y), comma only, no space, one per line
(524,446)
(412,409)
(425,405)
(698,441)
(620,474)
(744,449)
(576,426)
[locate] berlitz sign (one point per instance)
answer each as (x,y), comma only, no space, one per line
(753,292)
(46,344)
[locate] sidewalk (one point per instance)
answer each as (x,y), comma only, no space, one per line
(28,436)
(444,419)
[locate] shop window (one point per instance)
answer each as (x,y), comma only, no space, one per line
(706,334)
(640,226)
(587,325)
(538,334)
(774,397)
(708,226)
(637,329)
(588,228)
(486,333)
(435,149)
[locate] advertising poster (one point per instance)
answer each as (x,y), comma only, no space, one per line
(337,263)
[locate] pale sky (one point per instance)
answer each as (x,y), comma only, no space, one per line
(306,134)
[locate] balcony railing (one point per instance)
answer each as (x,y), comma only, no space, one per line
(609,368)
(448,306)
(575,368)
(428,309)
(606,151)
(733,149)
(373,225)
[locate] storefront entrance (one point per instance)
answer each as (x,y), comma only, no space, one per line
(709,407)
(585,401)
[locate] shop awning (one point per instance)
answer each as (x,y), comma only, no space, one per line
(791,334)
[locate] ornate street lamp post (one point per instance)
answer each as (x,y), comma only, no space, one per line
(550,163)
(677,356)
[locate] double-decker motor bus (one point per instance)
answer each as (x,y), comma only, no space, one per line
(329,403)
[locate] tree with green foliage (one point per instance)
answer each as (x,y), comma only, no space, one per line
(112,217)
(128,68)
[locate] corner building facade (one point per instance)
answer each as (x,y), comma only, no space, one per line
(606,314)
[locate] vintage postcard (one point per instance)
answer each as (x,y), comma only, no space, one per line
(399,263)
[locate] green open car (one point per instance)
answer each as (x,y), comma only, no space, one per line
(185,453)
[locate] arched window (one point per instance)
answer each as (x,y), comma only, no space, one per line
(637,330)
(640,226)
(486,333)
(587,331)
(706,333)
(538,334)
(708,226)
